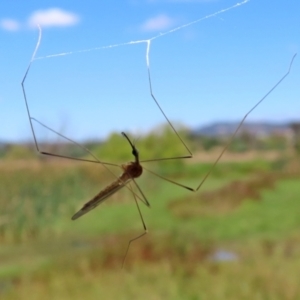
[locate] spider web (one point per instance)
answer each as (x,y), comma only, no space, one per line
(137,115)
(37,90)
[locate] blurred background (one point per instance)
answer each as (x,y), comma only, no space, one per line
(210,63)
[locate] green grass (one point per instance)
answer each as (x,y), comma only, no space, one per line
(45,255)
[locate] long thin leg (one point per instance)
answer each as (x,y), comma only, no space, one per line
(77,144)
(141,235)
(169,122)
(145,201)
(104,164)
(227,144)
(171,181)
(234,134)
(23,82)
(31,119)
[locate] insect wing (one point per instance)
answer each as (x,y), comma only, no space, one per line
(101,197)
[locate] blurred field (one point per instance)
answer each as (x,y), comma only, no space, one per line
(237,238)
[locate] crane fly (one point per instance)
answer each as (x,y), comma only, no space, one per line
(133,169)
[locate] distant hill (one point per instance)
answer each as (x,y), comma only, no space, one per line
(255,128)
(3,144)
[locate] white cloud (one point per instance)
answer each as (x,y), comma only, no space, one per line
(53,17)
(9,24)
(160,22)
(46,18)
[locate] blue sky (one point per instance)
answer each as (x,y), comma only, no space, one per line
(212,70)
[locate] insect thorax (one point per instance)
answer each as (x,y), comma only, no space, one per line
(133,169)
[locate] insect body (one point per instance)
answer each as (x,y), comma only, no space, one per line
(131,170)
